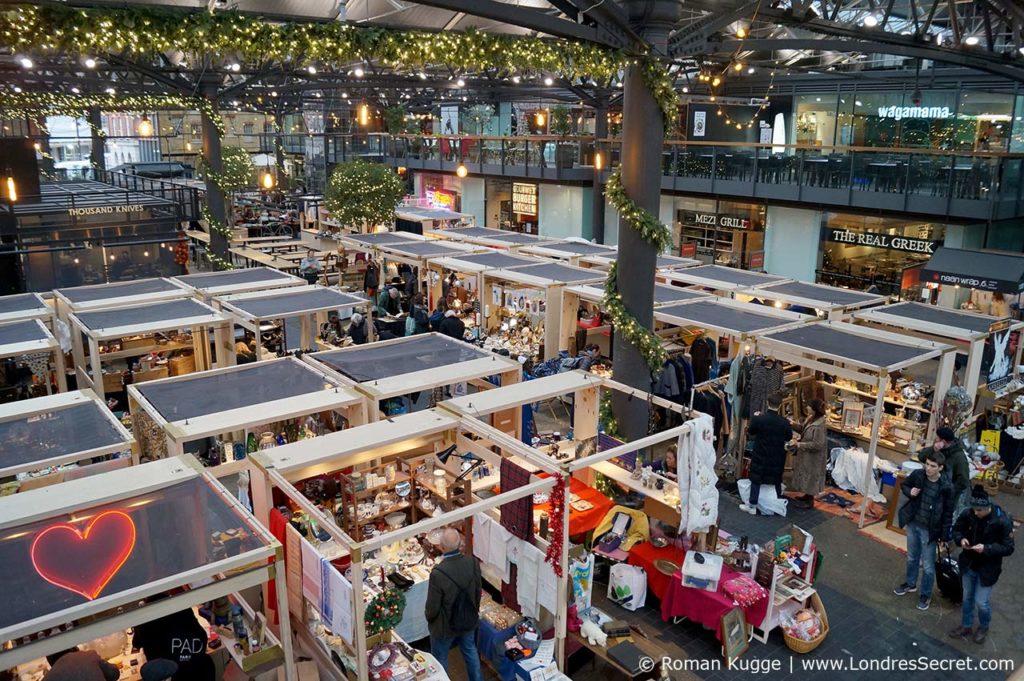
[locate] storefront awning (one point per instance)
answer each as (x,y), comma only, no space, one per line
(982,270)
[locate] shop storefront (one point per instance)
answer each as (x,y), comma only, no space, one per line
(512,205)
(859,252)
(720,232)
(443,192)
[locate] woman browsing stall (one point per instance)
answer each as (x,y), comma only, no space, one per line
(811,452)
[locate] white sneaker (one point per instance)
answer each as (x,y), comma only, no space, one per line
(748,509)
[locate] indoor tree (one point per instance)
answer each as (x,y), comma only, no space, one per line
(480,115)
(237,172)
(363,194)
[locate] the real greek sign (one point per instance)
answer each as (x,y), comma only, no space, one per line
(900,112)
(886,241)
(105,210)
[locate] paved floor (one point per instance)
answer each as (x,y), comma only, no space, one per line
(867,621)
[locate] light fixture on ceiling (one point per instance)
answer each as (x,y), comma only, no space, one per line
(344,95)
(145,127)
(741,33)
(716,81)
(460,83)
(26,62)
(364,115)
(685,90)
(273,93)
(17,88)
(90,63)
(236,67)
(516,79)
(541,118)
(10,186)
(871,21)
(188,145)
(75,90)
(312,70)
(751,70)
(462,170)
(598,161)
(738,66)
(423,76)
(111,91)
(267,181)
(358,72)
(971,40)
(549,81)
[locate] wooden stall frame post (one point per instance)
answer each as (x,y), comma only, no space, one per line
(876,422)
(96,367)
(552,320)
(568,317)
(973,370)
(943,382)
(562,584)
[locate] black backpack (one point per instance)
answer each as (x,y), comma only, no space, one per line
(464,616)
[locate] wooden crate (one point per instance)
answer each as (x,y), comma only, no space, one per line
(134,342)
(151,375)
(112,382)
(182,364)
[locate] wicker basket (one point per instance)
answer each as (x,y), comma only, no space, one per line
(800,646)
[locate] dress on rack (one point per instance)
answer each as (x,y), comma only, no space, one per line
(766,378)
(702,354)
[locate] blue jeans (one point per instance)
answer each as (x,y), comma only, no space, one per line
(439,648)
(920,549)
(975,593)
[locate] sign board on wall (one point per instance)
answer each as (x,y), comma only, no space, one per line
(716,220)
(887,242)
(756,260)
(524,198)
(688,250)
(997,360)
(449,120)
(439,198)
(700,123)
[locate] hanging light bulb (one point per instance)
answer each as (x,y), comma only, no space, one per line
(462,170)
(716,82)
(267,180)
(364,115)
(598,161)
(145,128)
(541,119)
(741,33)
(738,66)
(12,189)
(188,146)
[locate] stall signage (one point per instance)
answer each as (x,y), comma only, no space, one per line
(757,260)
(727,221)
(968,282)
(688,250)
(524,198)
(900,112)
(439,198)
(998,369)
(886,241)
(105,210)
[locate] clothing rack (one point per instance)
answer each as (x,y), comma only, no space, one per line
(707,385)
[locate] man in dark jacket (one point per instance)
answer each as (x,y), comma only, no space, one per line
(957,468)
(927,517)
(770,433)
(80,665)
(452,326)
(984,532)
(454,582)
(357,330)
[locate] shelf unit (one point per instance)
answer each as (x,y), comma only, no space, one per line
(351,496)
(456,494)
(865,393)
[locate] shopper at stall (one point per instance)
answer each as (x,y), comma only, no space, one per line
(419,315)
(590,354)
(453,604)
(310,267)
(984,532)
(389,302)
(371,279)
(180,638)
(770,433)
(80,665)
(811,454)
(357,330)
(437,316)
(452,326)
(927,517)
(956,467)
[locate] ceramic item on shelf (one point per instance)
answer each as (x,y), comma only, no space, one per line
(395,520)
(267,440)
(251,445)
(440,481)
(390,472)
(280,439)
(403,489)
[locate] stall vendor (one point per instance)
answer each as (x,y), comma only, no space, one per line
(452,326)
(669,466)
(310,267)
(357,329)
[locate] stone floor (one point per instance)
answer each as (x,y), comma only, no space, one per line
(867,622)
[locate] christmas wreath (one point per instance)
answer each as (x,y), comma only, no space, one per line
(384,612)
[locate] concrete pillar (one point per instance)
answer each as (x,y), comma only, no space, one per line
(643,135)
(792,242)
(215,201)
(99,141)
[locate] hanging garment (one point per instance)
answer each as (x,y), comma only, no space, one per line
(708,402)
(529,561)
(766,378)
(701,354)
(516,516)
(702,497)
(667,384)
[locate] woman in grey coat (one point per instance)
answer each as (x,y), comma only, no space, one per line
(811,453)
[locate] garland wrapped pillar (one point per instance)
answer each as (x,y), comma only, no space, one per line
(215,203)
(99,140)
(643,135)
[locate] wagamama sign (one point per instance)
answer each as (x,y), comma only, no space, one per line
(901,112)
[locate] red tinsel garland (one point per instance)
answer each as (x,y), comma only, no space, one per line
(554,554)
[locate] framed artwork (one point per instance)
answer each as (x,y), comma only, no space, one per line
(790,408)
(735,635)
(852,412)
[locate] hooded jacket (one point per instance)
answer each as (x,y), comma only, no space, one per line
(995,532)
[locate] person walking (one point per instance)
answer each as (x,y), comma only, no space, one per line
(927,517)
(310,267)
(956,466)
(453,605)
(984,533)
(811,452)
(770,433)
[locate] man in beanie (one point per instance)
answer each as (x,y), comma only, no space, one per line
(957,468)
(984,532)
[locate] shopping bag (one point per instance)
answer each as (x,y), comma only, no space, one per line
(627,586)
(947,576)
(768,502)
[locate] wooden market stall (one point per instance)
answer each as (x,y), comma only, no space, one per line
(517,302)
(662,263)
(418,256)
(117,294)
(831,302)
(22,306)
(862,362)
(342,487)
(589,295)
(246,407)
(720,279)
(422,363)
(172,539)
(42,440)
(474,266)
(102,337)
(31,342)
(571,251)
(262,312)
(976,335)
(501,239)
(206,285)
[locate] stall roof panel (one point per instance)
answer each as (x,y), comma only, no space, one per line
(494,260)
(27,331)
(424,249)
(527,392)
(665,262)
(578,248)
(113,291)
(380,238)
(216,392)
(54,429)
(287,302)
(377,361)
(22,304)
(556,273)
(728,318)
(161,534)
(724,277)
(665,294)
(984,270)
(490,233)
(418,213)
(906,314)
(798,292)
(831,340)
(140,315)
(249,275)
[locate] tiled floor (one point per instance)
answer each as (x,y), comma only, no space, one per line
(867,622)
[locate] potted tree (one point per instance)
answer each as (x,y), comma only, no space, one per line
(363,195)
(561,125)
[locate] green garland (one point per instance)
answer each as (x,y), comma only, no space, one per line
(659,81)
(384,612)
(606,414)
(41,104)
(214,224)
(237,170)
(218,262)
(659,236)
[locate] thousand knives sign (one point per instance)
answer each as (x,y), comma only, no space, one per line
(887,241)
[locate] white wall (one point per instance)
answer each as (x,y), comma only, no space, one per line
(792,242)
(561,210)
(611,225)
(473,198)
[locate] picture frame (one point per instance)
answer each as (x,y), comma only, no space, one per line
(790,408)
(852,413)
(735,635)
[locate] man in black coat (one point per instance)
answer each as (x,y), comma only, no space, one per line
(770,433)
(984,532)
(453,596)
(452,326)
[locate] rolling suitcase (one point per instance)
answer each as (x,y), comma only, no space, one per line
(947,576)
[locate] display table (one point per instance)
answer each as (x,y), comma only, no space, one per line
(581,522)
(646,647)
(645,554)
(707,607)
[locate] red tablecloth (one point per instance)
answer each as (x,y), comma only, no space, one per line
(581,522)
(644,554)
(707,607)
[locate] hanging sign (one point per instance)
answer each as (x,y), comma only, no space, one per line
(888,242)
(84,560)
(105,210)
(756,260)
(700,123)
(524,198)
(997,360)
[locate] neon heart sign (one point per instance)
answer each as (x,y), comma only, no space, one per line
(84,561)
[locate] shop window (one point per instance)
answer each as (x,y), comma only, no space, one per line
(248,129)
(986,118)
